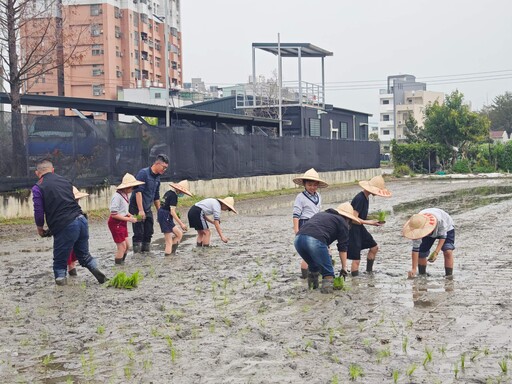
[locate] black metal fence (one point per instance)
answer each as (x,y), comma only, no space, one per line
(94,152)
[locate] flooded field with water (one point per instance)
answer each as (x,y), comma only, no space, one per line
(239,312)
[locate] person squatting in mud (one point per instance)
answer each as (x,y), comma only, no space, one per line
(168,217)
(198,218)
(306,204)
(360,238)
(313,239)
(142,199)
(55,203)
(423,229)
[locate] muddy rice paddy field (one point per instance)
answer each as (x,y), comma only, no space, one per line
(239,312)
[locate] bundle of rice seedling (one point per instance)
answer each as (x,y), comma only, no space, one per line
(121,280)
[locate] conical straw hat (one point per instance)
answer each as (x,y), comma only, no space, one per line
(376,185)
(419,226)
(78,194)
(182,186)
(229,202)
(129,181)
(345,209)
(311,175)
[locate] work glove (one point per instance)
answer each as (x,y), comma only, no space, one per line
(343,273)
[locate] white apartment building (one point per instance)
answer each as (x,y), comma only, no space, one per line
(403,97)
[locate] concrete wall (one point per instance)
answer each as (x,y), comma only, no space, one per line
(16,205)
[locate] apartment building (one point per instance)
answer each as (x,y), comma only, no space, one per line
(403,97)
(122,46)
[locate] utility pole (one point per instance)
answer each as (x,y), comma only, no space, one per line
(166,42)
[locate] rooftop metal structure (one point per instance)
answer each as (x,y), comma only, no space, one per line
(114,107)
(293,49)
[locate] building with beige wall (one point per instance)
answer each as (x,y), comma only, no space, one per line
(122,46)
(403,97)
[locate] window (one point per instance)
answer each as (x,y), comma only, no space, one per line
(97,50)
(96,70)
(158,95)
(314,127)
(362,133)
(95,30)
(96,10)
(385,117)
(174,65)
(117,31)
(385,132)
(343,130)
(144,18)
(97,90)
(385,101)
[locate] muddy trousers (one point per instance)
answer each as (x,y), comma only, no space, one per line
(73,237)
(143,230)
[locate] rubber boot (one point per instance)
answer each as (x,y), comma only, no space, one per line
(72,272)
(422,269)
(304,273)
(137,247)
(174,249)
(61,281)
(100,276)
(327,286)
(124,256)
(369,265)
(313,280)
(145,247)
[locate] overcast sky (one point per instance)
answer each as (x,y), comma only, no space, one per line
(449,44)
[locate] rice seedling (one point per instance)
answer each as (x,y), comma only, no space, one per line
(331,336)
(503,365)
(410,370)
(154,332)
(171,348)
(383,353)
(100,330)
(147,364)
(456,370)
(409,323)
(174,315)
(474,355)
(128,372)
(47,359)
(442,349)
(308,344)
(428,356)
(338,283)
(227,321)
(88,363)
(211,327)
(122,281)
(395,375)
(225,283)
(291,352)
(69,380)
(355,371)
(381,217)
(17,311)
(463,361)
(335,380)
(405,342)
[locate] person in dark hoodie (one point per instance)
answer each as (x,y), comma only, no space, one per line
(55,203)
(314,237)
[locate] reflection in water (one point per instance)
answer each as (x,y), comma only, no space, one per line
(460,201)
(425,293)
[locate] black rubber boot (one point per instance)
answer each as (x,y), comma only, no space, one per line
(145,247)
(72,272)
(304,273)
(124,256)
(100,276)
(327,286)
(174,249)
(369,265)
(313,280)
(119,261)
(447,271)
(199,244)
(422,269)
(61,281)
(137,247)
(354,273)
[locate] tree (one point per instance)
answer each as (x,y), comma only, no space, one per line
(374,137)
(33,42)
(454,125)
(500,113)
(413,133)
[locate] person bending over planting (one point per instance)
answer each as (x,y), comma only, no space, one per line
(198,218)
(313,240)
(360,238)
(423,229)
